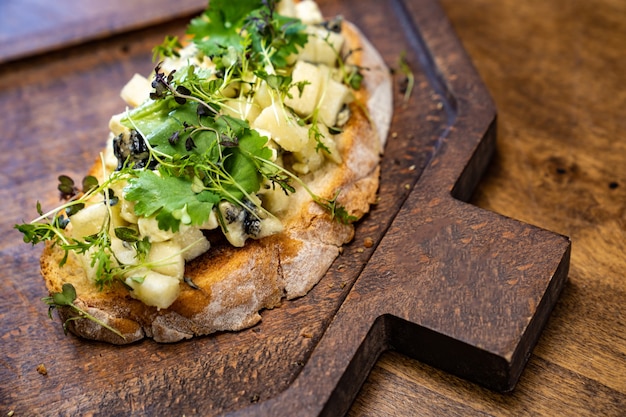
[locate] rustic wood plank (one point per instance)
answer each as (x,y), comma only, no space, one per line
(556,70)
(31,27)
(263,363)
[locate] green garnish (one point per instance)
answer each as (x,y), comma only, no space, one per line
(66,298)
(409,81)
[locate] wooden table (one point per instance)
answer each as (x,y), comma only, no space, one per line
(554,69)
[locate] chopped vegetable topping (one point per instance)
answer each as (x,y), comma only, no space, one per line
(234,113)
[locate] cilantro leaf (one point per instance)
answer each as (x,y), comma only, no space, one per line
(218,28)
(167,197)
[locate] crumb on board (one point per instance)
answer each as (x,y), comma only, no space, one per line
(41,368)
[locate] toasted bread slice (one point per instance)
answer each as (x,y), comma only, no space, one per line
(232,285)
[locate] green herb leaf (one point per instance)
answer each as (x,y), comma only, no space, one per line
(219,27)
(164,195)
(66,298)
(169,48)
(127,234)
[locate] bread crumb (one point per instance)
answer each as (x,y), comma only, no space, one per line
(368,242)
(41,368)
(306,334)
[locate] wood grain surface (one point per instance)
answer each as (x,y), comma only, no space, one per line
(555,70)
(29,27)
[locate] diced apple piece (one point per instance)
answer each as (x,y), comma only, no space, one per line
(333,97)
(149,226)
(192,241)
(304,102)
(242,108)
(115,125)
(155,290)
(311,157)
(322,46)
(286,8)
(89,220)
(211,222)
(263,95)
(283,127)
(166,258)
(308,12)
(275,200)
(127,211)
(124,252)
(136,91)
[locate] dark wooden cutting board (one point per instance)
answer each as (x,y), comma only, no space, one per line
(429,275)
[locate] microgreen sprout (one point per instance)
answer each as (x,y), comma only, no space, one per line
(409,80)
(65,299)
